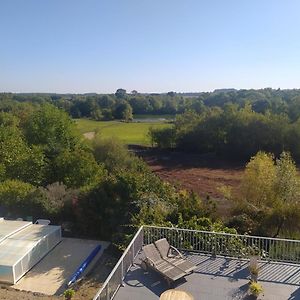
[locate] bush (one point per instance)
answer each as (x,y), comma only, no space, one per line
(76,169)
(112,153)
(69,294)
(162,137)
(255,289)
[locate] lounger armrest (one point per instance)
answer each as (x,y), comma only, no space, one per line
(150,261)
(176,250)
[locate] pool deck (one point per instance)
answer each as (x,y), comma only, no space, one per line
(216,278)
(52,273)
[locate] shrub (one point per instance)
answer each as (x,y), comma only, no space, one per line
(112,153)
(255,289)
(69,294)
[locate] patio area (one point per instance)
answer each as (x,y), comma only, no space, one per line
(221,260)
(216,278)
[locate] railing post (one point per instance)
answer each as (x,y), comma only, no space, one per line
(107,292)
(213,244)
(133,253)
(122,272)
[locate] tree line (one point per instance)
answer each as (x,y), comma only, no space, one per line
(121,105)
(232,132)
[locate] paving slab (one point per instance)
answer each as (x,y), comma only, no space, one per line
(52,273)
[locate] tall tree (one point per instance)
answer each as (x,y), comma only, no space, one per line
(120,93)
(52,129)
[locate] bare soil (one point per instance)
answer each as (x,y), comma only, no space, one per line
(89,135)
(89,286)
(202,174)
(9,293)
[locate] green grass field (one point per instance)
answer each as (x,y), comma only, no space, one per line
(129,133)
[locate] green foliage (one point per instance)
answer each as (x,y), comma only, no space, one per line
(19,198)
(162,137)
(112,153)
(13,193)
(120,93)
(52,129)
(231,131)
(255,288)
(18,160)
(69,294)
(263,101)
(257,185)
(204,223)
(102,189)
(76,169)
(8,120)
(269,196)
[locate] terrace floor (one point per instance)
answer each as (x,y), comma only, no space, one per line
(216,278)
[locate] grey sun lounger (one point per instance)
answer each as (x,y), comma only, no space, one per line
(172,255)
(154,261)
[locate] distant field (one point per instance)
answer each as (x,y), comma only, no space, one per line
(129,133)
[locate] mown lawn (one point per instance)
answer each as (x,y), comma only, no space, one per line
(129,133)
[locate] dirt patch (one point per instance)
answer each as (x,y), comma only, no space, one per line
(89,286)
(203,174)
(89,135)
(8,293)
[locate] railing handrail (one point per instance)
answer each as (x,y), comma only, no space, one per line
(222,233)
(118,263)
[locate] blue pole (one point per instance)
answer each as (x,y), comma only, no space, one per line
(84,265)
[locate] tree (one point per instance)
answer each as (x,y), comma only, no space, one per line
(257,185)
(127,113)
(52,129)
(19,160)
(76,169)
(171,94)
(20,200)
(123,112)
(97,115)
(162,137)
(112,153)
(270,195)
(14,195)
(120,93)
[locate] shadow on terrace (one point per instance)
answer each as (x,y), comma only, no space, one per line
(222,262)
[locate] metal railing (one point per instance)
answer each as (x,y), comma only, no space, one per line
(116,277)
(215,243)
(226,244)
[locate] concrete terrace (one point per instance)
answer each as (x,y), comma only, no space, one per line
(216,278)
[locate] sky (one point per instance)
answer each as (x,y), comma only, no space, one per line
(80,46)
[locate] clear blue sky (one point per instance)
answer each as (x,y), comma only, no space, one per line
(148,45)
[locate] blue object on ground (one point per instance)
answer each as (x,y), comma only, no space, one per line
(84,265)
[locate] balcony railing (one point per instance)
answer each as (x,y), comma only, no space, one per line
(213,243)
(226,244)
(115,278)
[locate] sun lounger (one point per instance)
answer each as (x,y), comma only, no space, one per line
(173,256)
(154,261)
